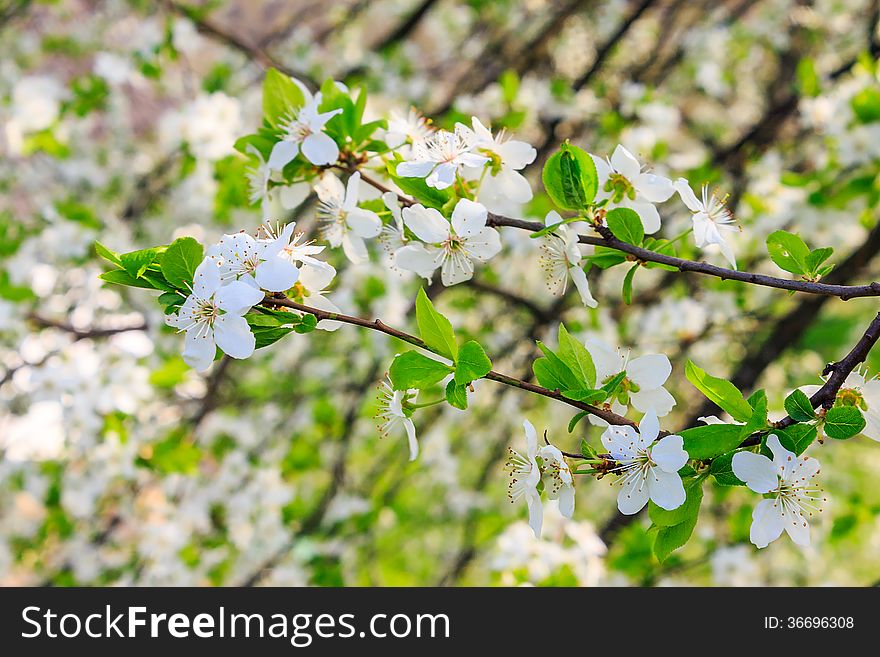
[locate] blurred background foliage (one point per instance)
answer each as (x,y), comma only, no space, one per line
(121,466)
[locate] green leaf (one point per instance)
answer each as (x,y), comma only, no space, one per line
(866,105)
(136,262)
(577,358)
(788,251)
(414,370)
(561,371)
(605,257)
(706,442)
(669,539)
(797,437)
(843,422)
(626,225)
(281,95)
(574,421)
(798,407)
(816,258)
(456,395)
(570,178)
(307,324)
(472,363)
(107,254)
(434,328)
(627,291)
(122,277)
(722,469)
(758,421)
(610,386)
(808,81)
(419,190)
(723,393)
(691,507)
(180,261)
(586,396)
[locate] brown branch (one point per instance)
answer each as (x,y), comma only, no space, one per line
(82,334)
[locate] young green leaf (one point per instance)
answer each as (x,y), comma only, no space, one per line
(843,422)
(722,469)
(816,258)
(577,358)
(758,421)
(414,370)
(574,421)
(626,225)
(797,437)
(180,261)
(456,395)
(107,254)
(586,396)
(627,291)
(669,539)
(711,440)
(691,507)
(788,251)
(281,95)
(723,393)
(605,258)
(434,328)
(122,277)
(799,408)
(472,364)
(570,178)
(561,371)
(136,262)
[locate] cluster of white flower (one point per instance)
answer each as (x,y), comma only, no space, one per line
(233,278)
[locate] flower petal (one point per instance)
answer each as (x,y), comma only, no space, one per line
(468,217)
(364,223)
(583,286)
(206,279)
(233,336)
(666,489)
(660,399)
(416,258)
(608,361)
(625,163)
(633,496)
(276,274)
(237,297)
(320,149)
(669,454)
(282,153)
(647,213)
(767,523)
(682,186)
(757,471)
(427,223)
(649,427)
(649,371)
(654,188)
(199,349)
(411,438)
(483,245)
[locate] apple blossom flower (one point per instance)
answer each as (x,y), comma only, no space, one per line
(525,475)
(710,218)
(786,479)
(393,235)
(560,260)
(451,246)
(212,316)
(304,132)
(438,158)
(293,250)
(648,470)
(343,222)
(643,385)
(557,477)
(623,183)
(276,199)
(406,129)
(862,392)
(257,262)
(504,183)
(392,415)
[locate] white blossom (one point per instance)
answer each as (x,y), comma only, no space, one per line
(623,184)
(644,380)
(525,475)
(304,132)
(392,415)
(648,470)
(212,316)
(454,247)
(439,157)
(343,223)
(560,260)
(507,158)
(257,262)
(786,481)
(862,392)
(711,218)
